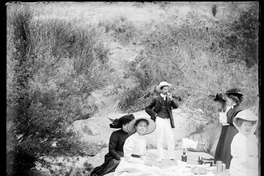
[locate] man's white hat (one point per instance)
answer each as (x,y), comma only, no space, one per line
(163,83)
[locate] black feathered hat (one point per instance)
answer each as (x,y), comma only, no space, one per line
(219,97)
(117,123)
(235,92)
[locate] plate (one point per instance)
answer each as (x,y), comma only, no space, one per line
(199,170)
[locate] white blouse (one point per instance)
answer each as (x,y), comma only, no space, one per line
(134,166)
(135,144)
(244,151)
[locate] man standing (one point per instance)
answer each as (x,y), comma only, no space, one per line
(160,110)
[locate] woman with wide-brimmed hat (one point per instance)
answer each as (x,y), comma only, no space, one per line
(116,143)
(244,146)
(134,161)
(233,97)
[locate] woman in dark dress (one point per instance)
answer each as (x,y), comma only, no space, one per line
(234,98)
(221,100)
(116,143)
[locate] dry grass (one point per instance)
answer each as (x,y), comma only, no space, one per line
(87,12)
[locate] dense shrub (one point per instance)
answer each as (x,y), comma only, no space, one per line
(198,57)
(214,10)
(132,100)
(243,37)
(19,162)
(55,66)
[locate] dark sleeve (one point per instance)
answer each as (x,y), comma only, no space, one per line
(231,113)
(149,109)
(174,104)
(113,142)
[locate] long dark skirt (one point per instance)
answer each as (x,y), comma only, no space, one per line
(108,166)
(220,144)
(226,155)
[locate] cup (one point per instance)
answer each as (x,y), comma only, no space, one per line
(223,167)
(219,166)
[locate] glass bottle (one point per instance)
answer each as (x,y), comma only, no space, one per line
(184,156)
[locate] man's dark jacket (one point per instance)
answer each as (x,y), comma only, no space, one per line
(155,107)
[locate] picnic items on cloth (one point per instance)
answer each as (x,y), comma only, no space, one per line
(205,161)
(199,170)
(184,169)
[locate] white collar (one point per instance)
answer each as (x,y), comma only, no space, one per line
(140,136)
(162,95)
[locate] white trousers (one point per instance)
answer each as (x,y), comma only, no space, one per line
(164,130)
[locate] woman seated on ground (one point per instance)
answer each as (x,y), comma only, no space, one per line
(244,146)
(134,162)
(116,143)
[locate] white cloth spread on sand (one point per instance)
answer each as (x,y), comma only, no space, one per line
(189,143)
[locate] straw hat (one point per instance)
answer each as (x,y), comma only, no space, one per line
(150,128)
(163,83)
(246,115)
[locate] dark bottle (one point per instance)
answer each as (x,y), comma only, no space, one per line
(184,156)
(200,161)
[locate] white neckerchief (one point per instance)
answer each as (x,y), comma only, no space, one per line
(163,96)
(223,116)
